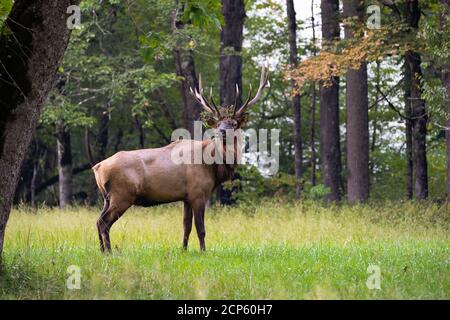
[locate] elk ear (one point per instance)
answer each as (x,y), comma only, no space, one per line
(243,119)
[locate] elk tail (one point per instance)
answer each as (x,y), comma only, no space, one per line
(102,185)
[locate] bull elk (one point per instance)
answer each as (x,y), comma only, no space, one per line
(149,177)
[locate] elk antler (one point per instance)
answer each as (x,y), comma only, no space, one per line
(213,103)
(263,83)
(202,100)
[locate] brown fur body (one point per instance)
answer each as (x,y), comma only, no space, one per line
(149,177)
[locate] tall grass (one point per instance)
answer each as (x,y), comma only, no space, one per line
(269,251)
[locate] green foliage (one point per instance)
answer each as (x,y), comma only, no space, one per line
(436,32)
(436,97)
(155,46)
(62,111)
(203,13)
(319,192)
(5,8)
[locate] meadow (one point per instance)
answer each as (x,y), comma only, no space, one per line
(269,251)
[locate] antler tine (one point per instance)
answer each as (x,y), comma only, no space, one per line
(247,100)
(236,99)
(200,98)
(263,83)
(213,103)
(200,87)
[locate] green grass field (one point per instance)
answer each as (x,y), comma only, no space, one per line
(272,251)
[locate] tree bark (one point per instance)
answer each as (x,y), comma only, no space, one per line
(140,129)
(357,118)
(230,68)
(185,67)
(33,184)
(313,104)
(446,83)
(313,135)
(103,134)
(330,151)
(64,166)
(231,36)
(296,107)
(408,134)
(418,110)
(30,53)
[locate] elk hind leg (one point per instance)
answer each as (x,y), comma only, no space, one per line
(199,217)
(105,208)
(106,220)
(187,223)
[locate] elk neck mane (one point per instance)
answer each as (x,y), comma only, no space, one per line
(224,171)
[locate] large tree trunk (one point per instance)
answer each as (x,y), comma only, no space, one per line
(408,133)
(30,52)
(446,83)
(330,152)
(418,111)
(313,104)
(357,119)
(230,67)
(296,108)
(64,166)
(185,67)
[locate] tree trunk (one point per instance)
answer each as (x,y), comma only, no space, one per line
(418,111)
(446,83)
(64,166)
(230,68)
(313,135)
(185,68)
(103,133)
(373,135)
(357,119)
(30,52)
(408,134)
(231,36)
(33,183)
(313,104)
(330,152)
(296,108)
(141,132)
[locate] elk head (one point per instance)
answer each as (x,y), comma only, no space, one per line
(232,117)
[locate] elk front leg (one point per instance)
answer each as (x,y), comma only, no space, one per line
(199,216)
(187,223)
